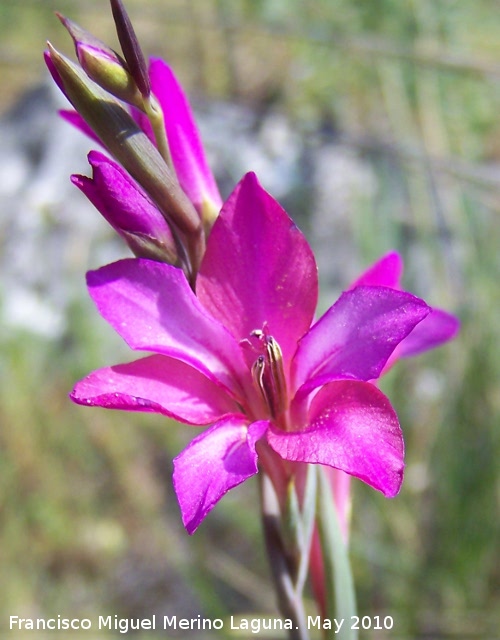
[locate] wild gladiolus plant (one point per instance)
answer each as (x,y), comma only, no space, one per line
(223,296)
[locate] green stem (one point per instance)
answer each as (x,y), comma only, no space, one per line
(155,115)
(284,566)
(194,242)
(339,586)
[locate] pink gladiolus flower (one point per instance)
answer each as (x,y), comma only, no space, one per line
(435,329)
(244,355)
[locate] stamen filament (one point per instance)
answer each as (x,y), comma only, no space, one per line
(277,375)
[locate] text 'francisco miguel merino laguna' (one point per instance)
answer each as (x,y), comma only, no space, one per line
(124,625)
(254,625)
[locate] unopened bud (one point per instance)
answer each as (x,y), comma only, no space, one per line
(103,65)
(131,48)
(128,209)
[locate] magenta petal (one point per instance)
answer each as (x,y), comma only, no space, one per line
(156,384)
(356,336)
(386,272)
(216,461)
(186,147)
(53,71)
(438,327)
(352,428)
(143,122)
(76,120)
(152,307)
(259,269)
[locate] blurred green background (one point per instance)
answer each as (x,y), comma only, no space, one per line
(89,522)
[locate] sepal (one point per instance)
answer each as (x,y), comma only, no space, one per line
(131,48)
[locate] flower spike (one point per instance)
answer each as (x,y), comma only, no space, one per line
(132,148)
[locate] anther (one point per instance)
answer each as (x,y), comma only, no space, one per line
(269,376)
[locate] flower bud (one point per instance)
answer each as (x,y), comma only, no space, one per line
(127,209)
(103,65)
(131,48)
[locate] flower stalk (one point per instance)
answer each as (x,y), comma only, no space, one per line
(340,596)
(287,543)
(155,115)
